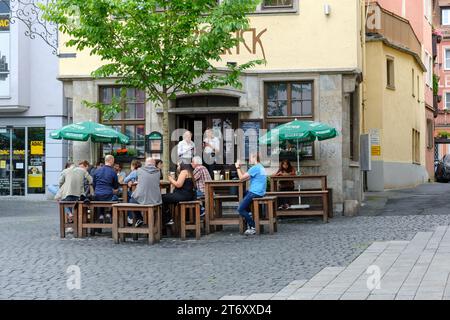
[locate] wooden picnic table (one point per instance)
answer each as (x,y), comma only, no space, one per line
(323,192)
(275,179)
(213,218)
(165,185)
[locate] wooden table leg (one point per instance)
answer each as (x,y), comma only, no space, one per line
(151,226)
(75,220)
(62,221)
(270,214)
(198,231)
(325,208)
(183,222)
(115,231)
(256,216)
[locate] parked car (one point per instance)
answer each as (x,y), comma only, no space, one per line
(442,172)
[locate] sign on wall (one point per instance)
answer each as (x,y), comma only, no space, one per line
(4,56)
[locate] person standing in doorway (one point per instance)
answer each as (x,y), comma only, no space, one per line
(211,147)
(186,148)
(258,185)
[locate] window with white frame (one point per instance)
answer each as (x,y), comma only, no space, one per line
(447,58)
(429,64)
(445,16)
(428,10)
(447,101)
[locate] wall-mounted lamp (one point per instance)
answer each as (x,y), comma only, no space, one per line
(327,9)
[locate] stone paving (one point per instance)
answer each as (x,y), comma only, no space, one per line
(34,260)
(402,270)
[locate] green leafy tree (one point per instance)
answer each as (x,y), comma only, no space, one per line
(160,46)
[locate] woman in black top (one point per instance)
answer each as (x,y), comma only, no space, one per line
(159,165)
(184,191)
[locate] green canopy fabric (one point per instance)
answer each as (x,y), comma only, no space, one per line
(83,131)
(299,132)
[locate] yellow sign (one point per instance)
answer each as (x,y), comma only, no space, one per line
(2,164)
(376,151)
(4,23)
(37,147)
(35,177)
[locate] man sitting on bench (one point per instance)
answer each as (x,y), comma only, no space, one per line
(147,190)
(258,185)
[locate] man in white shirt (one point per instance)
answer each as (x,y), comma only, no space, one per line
(211,147)
(186,148)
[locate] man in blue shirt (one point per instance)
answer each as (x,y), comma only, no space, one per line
(258,184)
(106,184)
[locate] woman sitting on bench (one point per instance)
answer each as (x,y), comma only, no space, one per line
(286,169)
(184,191)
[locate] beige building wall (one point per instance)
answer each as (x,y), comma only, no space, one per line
(393,114)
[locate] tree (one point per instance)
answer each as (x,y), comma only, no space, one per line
(160,46)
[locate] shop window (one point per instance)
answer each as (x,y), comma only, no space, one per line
(36,160)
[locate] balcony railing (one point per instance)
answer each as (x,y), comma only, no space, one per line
(394,28)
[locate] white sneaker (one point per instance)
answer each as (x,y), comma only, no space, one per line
(130,221)
(69,230)
(108,218)
(171,222)
(250,231)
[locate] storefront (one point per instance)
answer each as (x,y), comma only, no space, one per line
(22,161)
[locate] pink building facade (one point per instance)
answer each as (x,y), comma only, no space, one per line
(441,21)
(419,13)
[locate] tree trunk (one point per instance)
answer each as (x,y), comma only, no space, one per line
(166,137)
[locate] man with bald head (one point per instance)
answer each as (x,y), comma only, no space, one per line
(147,190)
(106,185)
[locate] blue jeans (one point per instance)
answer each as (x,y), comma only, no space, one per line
(70,198)
(137,214)
(200,194)
(244,208)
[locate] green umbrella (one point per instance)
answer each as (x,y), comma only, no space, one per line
(95,132)
(299,132)
(83,131)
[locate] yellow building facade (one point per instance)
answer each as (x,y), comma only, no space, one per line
(314,53)
(394,107)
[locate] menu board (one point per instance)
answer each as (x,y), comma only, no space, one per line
(251,133)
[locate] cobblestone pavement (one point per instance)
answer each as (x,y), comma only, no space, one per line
(392,270)
(34,260)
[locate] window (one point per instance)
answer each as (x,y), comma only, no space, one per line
(447,59)
(447,100)
(418,89)
(390,73)
(415,146)
(130,121)
(413,88)
(278,3)
(429,75)
(289,99)
(427,10)
(430,134)
(445,16)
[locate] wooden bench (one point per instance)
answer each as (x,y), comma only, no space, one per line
(152,221)
(323,194)
(218,200)
(85,222)
(63,221)
(271,213)
(190,218)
